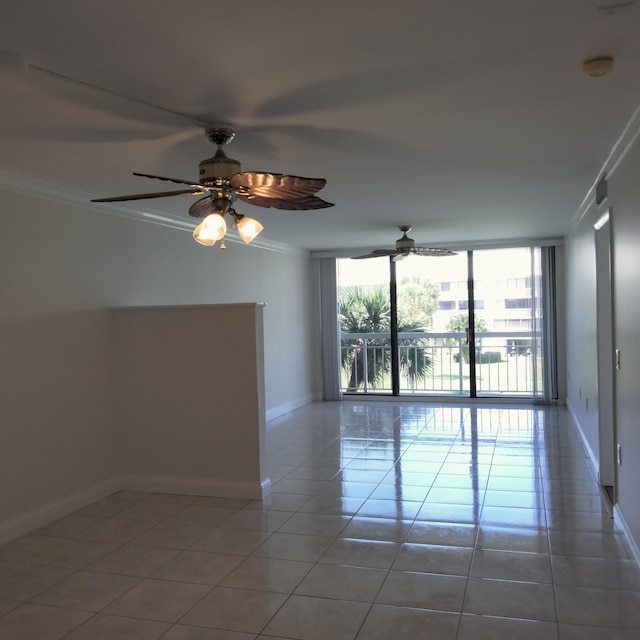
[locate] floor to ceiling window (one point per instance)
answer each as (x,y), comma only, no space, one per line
(407,327)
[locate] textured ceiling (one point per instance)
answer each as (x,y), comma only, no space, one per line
(470,120)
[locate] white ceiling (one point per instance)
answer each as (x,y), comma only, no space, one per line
(468,119)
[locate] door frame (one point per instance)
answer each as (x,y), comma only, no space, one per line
(605,357)
(471,359)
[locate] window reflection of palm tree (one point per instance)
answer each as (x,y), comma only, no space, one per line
(368,311)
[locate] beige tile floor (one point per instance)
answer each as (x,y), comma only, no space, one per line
(387,521)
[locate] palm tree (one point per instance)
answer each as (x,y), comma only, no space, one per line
(459,324)
(368,310)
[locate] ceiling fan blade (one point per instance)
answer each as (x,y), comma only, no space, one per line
(276,185)
(377,253)
(346,91)
(305,203)
(364,257)
(430,251)
(146,196)
(200,208)
(384,252)
(176,180)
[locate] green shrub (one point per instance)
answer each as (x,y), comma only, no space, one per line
(482,357)
(488,357)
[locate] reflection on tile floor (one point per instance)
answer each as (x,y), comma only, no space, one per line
(387,521)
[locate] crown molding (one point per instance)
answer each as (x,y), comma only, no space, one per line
(620,149)
(456,246)
(17,183)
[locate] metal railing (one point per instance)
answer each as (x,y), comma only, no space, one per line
(507,363)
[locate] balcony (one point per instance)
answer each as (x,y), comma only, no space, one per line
(507,363)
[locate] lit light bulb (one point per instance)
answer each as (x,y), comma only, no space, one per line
(248,229)
(212,228)
(201,234)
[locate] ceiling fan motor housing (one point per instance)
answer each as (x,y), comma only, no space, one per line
(405,243)
(218,169)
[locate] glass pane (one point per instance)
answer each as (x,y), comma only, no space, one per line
(365,323)
(508,321)
(432,321)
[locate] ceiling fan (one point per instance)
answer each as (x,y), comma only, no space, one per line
(222,181)
(405,246)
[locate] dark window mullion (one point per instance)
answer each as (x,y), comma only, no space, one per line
(473,393)
(393,300)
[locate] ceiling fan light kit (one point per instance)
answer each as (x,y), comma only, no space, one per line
(210,230)
(248,228)
(222,181)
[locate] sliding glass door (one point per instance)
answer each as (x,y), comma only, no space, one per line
(509,320)
(433,325)
(467,325)
(365,325)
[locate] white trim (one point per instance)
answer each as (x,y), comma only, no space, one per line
(287,407)
(33,519)
(256,490)
(618,152)
(182,307)
(617,513)
(593,458)
(141,213)
(456,246)
(602,220)
(265,488)
(619,519)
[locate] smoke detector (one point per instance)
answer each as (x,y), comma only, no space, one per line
(596,67)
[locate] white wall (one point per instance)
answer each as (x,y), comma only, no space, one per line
(170,268)
(189,402)
(624,189)
(61,269)
(623,172)
(580,310)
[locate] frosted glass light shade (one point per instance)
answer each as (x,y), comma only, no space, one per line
(212,228)
(248,229)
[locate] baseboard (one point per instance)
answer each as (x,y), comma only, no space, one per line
(585,443)
(617,514)
(41,516)
(606,495)
(254,490)
(593,459)
(287,407)
(633,545)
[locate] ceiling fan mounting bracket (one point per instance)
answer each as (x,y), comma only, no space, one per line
(220,135)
